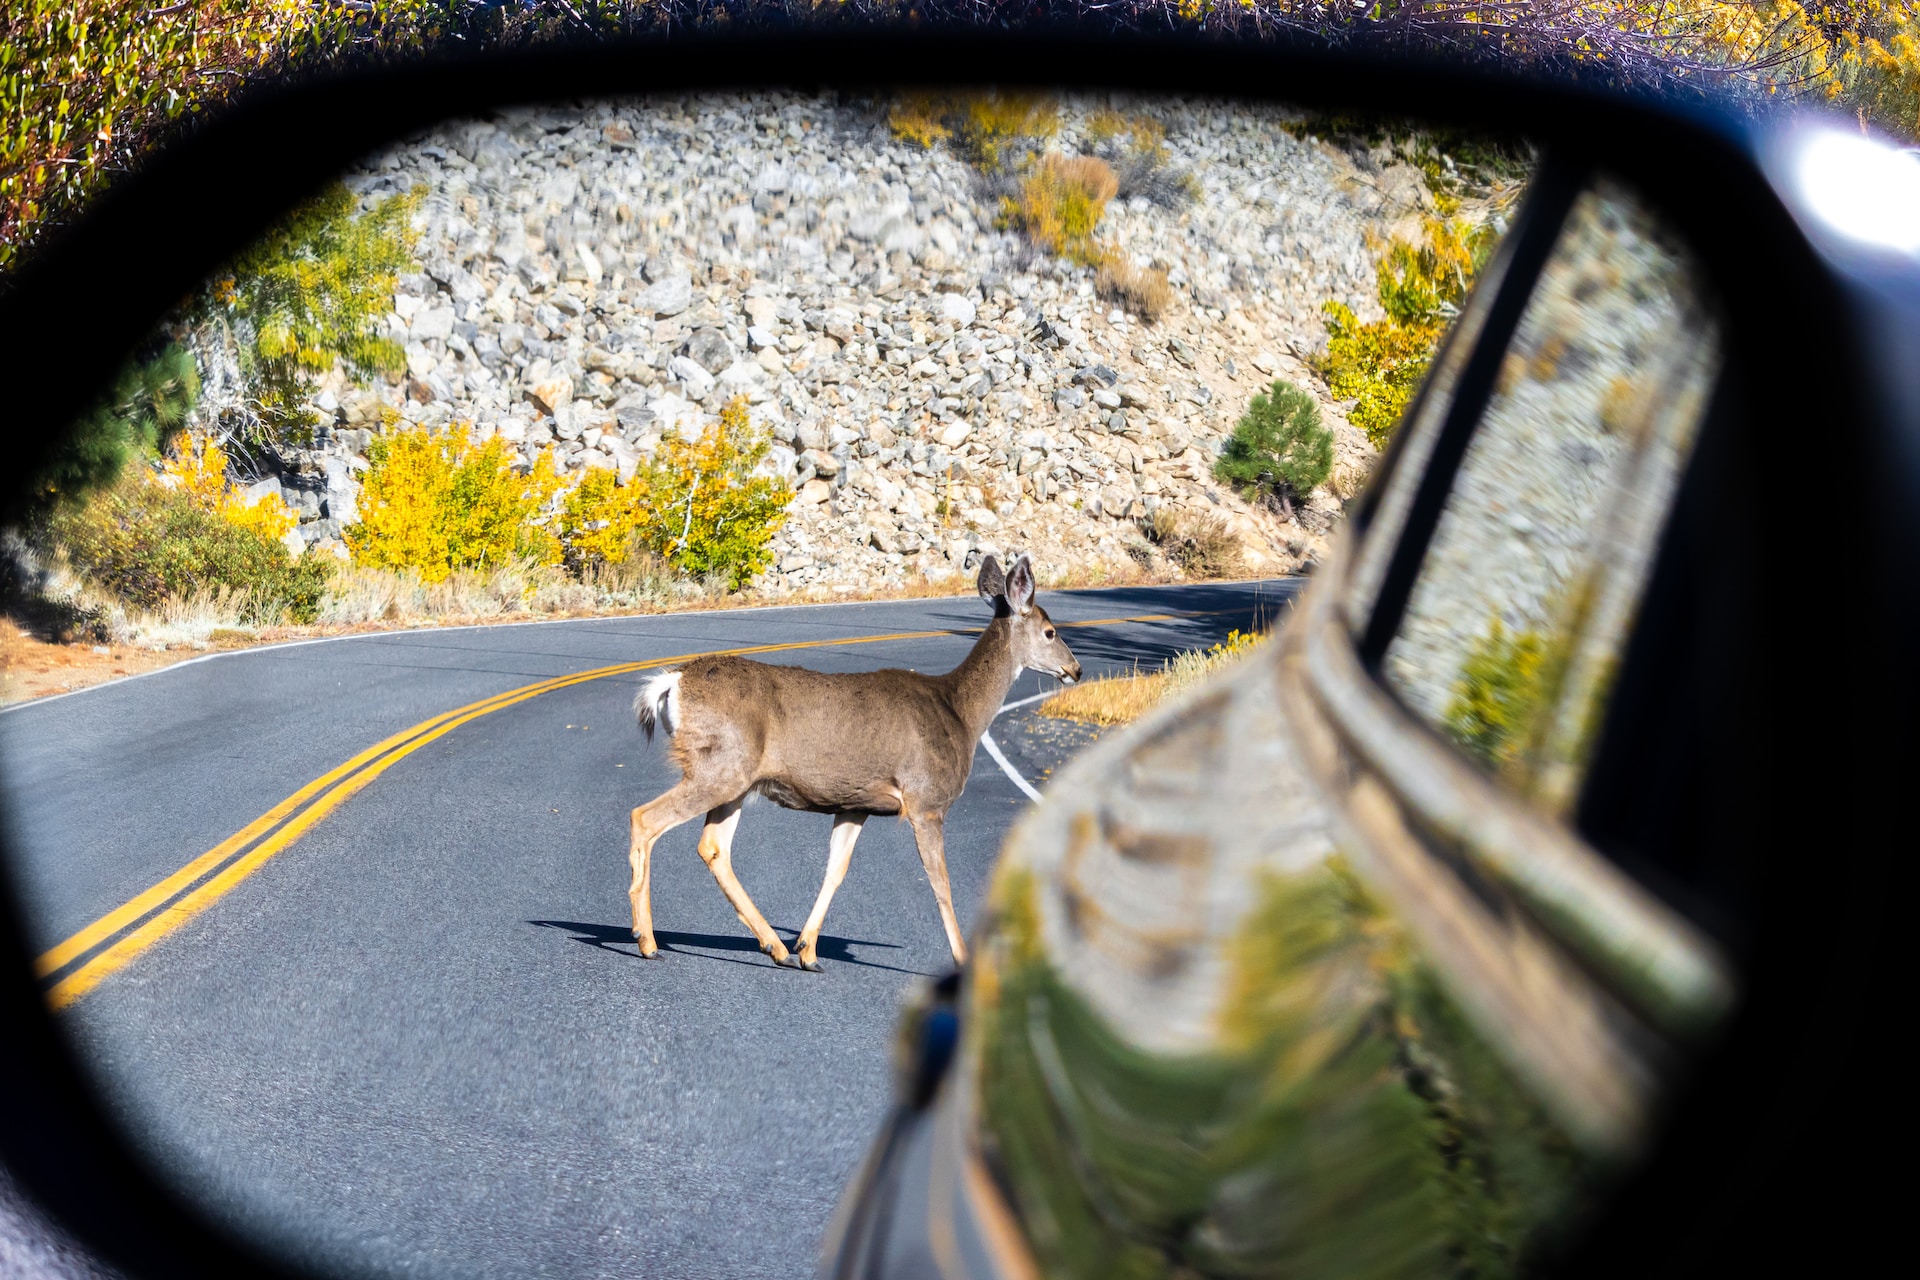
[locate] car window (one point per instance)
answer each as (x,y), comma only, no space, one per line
(1528,587)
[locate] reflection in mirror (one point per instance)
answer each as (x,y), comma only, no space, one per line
(342,930)
(1522,607)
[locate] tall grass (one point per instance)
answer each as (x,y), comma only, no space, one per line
(1124,698)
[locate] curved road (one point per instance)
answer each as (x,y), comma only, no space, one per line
(398,1024)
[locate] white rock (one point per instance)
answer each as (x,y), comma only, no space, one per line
(590,264)
(958,308)
(552,394)
(956,434)
(764,312)
(697,380)
(667,297)
(812,493)
(433,322)
(871,481)
(1266,361)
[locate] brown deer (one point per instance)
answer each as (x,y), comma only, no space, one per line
(852,745)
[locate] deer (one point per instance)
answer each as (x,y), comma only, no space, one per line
(851,745)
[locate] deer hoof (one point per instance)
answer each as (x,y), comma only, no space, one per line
(812,966)
(789,961)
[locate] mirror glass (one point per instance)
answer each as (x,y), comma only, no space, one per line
(380,538)
(1523,603)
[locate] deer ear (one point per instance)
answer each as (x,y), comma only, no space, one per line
(993,583)
(1020,585)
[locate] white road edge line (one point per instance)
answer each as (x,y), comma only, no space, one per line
(993,748)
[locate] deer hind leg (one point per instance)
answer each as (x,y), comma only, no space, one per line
(716,850)
(929,833)
(650,821)
(846,830)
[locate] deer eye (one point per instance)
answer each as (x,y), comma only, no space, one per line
(1049,633)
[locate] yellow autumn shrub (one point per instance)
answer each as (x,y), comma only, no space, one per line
(699,505)
(198,468)
(434,502)
(601,517)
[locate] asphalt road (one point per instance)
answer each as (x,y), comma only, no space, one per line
(417,1038)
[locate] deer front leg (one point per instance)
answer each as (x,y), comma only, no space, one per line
(716,850)
(846,830)
(929,833)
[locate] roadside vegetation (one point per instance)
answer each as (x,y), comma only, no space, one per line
(1124,698)
(163,518)
(1378,364)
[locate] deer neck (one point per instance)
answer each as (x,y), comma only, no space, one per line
(979,685)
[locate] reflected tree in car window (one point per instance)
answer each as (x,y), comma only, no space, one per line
(1516,621)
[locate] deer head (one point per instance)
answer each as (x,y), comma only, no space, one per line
(1032,639)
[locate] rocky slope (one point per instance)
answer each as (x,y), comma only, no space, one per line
(597,276)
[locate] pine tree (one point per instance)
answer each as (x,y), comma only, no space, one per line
(1279,451)
(149,402)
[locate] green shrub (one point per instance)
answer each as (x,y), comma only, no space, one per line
(148,403)
(147,543)
(1279,450)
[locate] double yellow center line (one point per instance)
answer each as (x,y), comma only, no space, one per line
(81,962)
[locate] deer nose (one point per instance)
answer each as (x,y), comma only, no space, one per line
(1071,673)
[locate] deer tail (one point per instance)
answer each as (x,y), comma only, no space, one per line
(658,704)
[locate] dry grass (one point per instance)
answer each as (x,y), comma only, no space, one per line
(1059,204)
(1141,290)
(1124,698)
(1201,545)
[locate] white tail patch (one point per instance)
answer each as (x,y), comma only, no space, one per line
(658,703)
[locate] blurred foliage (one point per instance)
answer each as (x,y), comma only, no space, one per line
(1278,449)
(1379,364)
(1058,205)
(314,290)
(148,404)
(147,542)
(1202,545)
(700,506)
(434,502)
(994,130)
(1346,1121)
(90,85)
(1501,691)
(1142,290)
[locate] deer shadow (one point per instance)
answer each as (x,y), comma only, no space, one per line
(618,939)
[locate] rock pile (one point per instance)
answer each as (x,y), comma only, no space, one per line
(595,277)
